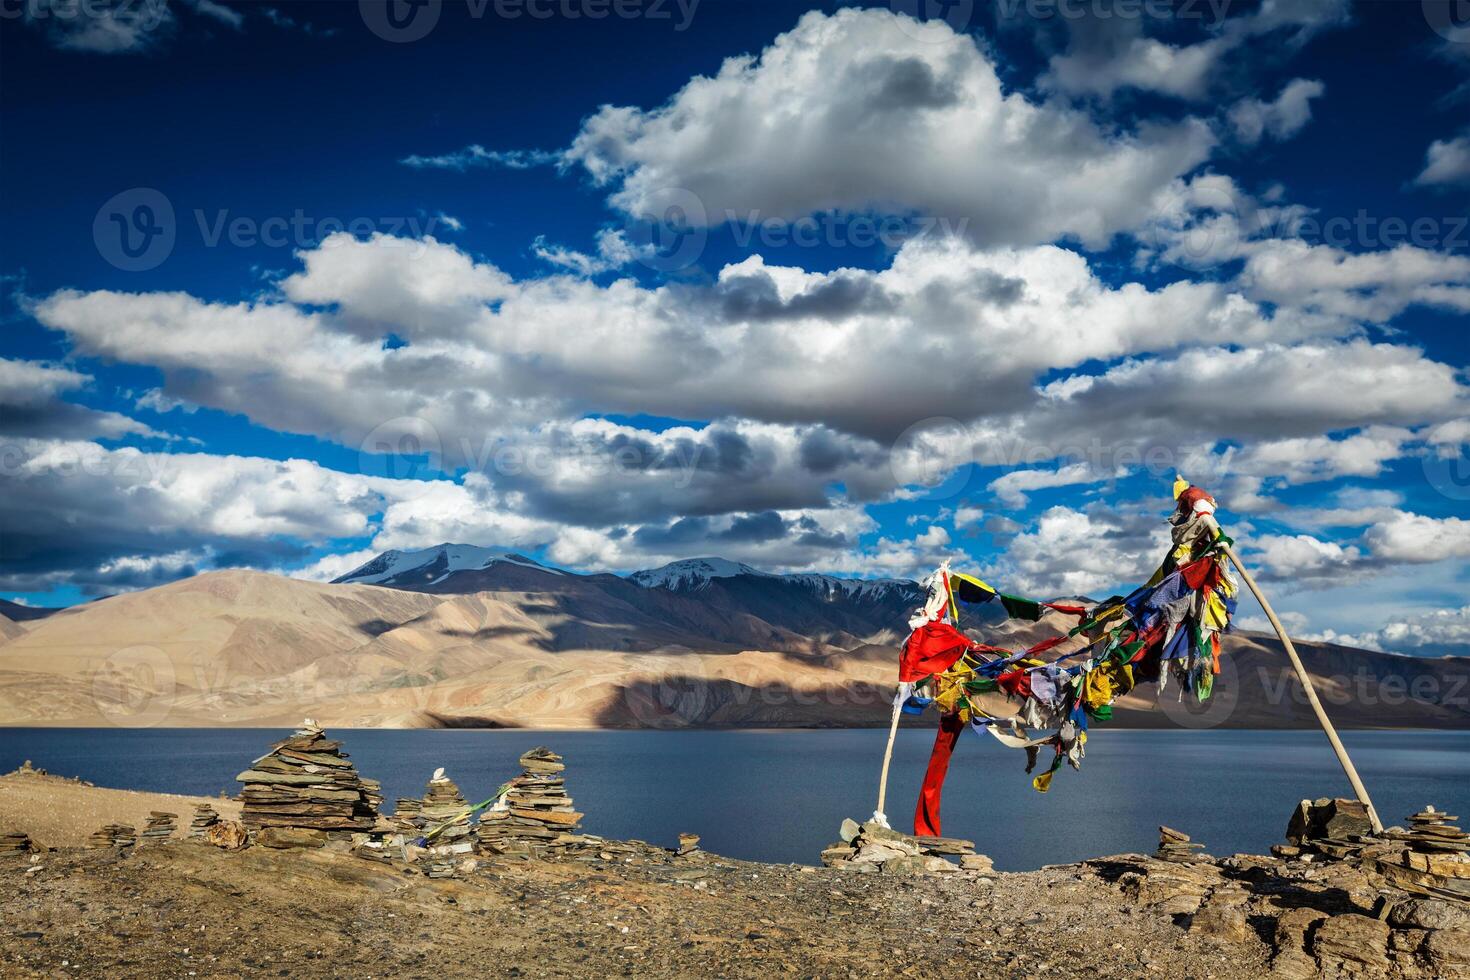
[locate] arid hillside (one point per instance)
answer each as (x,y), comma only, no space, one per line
(539,649)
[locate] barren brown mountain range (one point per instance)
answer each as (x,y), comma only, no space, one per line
(512,643)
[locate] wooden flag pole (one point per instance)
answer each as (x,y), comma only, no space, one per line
(1301,673)
(879,813)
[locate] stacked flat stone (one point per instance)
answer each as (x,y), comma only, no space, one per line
(535,818)
(1434,860)
(1175,845)
(406,813)
(306,781)
(205,816)
(1432,831)
(373,790)
(688,844)
(160,826)
(16,843)
(445,806)
(113,835)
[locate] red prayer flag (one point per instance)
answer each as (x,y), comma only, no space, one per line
(931,649)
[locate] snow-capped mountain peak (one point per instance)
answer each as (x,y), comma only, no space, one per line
(433,564)
(691,574)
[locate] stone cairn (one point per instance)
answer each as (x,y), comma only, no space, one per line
(1175,845)
(1432,831)
(205,816)
(113,835)
(535,818)
(406,813)
(1435,860)
(306,781)
(16,843)
(688,844)
(871,847)
(445,806)
(160,826)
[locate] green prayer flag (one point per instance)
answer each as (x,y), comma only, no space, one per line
(1018,608)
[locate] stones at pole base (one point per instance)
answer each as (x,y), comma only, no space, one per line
(1175,845)
(535,817)
(113,835)
(160,826)
(872,848)
(205,816)
(307,781)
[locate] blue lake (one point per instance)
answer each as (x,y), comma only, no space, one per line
(780,795)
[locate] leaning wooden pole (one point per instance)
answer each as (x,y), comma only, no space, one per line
(1301,673)
(880,814)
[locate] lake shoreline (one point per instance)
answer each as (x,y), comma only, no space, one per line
(187,907)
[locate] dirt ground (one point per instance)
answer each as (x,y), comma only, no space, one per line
(184,909)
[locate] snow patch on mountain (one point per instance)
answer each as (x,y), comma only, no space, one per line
(444,558)
(694,574)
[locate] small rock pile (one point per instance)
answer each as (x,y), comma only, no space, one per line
(1434,832)
(1175,845)
(688,844)
(306,781)
(535,818)
(160,826)
(871,847)
(16,843)
(113,835)
(205,816)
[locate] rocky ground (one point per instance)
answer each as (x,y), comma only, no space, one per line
(183,908)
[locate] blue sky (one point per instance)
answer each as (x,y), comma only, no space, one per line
(841,289)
